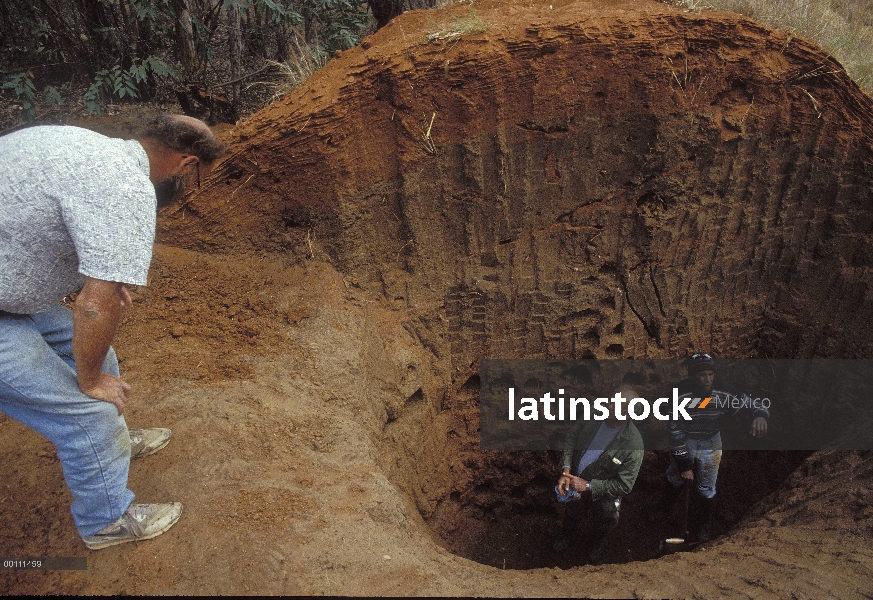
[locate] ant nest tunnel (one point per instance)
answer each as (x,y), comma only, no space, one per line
(670,182)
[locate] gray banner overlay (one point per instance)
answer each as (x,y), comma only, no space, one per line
(50,563)
(809,404)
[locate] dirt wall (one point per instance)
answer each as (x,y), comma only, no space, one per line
(571,180)
(620,180)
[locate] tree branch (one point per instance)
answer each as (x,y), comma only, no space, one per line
(238,79)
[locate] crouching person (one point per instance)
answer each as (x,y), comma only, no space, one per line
(77,213)
(600,466)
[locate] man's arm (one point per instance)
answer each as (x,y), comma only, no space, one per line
(752,409)
(566,478)
(96,314)
(758,415)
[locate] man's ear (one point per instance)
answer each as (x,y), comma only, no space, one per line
(188,160)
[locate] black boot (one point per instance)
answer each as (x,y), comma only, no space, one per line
(705,533)
(595,549)
(660,511)
(568,531)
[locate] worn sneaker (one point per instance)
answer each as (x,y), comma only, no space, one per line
(145,442)
(139,522)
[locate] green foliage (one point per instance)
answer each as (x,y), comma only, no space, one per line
(129,49)
(91,98)
(111,82)
(280,13)
(140,70)
(52,96)
(25,90)
(146,11)
(344,20)
(123,83)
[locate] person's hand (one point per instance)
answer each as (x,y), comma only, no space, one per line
(578,484)
(759,427)
(109,388)
(564,483)
(688,475)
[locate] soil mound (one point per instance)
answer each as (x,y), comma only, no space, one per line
(660,179)
(573,180)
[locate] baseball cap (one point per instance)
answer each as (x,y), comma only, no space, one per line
(700,361)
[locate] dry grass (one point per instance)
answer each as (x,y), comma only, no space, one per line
(842,27)
(304,61)
(458,27)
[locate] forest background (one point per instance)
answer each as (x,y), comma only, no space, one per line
(221,60)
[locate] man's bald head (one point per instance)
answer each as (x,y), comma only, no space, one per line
(178,148)
(183,134)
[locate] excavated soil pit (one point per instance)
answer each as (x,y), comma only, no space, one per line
(576,180)
(590,179)
(510,520)
(498,508)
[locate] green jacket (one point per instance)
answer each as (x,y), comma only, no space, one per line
(615,471)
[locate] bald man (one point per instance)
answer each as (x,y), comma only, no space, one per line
(77,214)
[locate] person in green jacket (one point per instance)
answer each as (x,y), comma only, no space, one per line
(600,466)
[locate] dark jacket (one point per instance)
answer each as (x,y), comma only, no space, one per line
(727,401)
(615,471)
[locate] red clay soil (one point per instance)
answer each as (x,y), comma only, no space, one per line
(493,179)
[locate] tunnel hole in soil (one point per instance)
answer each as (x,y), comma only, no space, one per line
(499,507)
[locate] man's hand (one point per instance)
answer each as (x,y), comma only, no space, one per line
(95,318)
(110,388)
(564,483)
(759,427)
(569,482)
(579,484)
(688,475)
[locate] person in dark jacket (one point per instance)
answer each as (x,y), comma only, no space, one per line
(695,446)
(600,466)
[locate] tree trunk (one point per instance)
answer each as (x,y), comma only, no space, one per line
(282,47)
(99,16)
(185,41)
(234,40)
(385,10)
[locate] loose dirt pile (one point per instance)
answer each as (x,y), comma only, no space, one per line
(573,180)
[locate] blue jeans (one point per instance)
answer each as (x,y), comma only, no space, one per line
(38,387)
(707,457)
